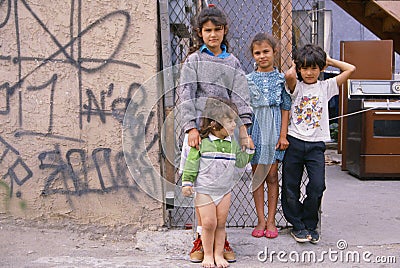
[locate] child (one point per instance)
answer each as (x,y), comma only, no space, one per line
(211,71)
(271,105)
(307,132)
(211,168)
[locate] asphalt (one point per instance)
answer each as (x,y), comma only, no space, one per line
(360,227)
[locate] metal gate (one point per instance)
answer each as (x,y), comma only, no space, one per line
(293,22)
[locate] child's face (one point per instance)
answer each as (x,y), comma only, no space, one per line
(263,54)
(212,36)
(310,74)
(228,128)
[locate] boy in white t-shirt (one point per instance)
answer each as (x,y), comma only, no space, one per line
(307,133)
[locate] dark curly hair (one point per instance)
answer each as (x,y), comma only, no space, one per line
(217,17)
(309,55)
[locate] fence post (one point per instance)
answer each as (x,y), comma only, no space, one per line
(282,30)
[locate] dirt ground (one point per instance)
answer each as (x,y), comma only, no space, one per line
(29,244)
(35,245)
(349,216)
(54,245)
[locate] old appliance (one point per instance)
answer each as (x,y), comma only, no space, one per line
(374,60)
(373,128)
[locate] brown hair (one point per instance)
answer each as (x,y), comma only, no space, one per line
(214,111)
(217,17)
(261,37)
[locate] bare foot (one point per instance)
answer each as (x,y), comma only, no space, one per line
(221,262)
(260,226)
(270,226)
(208,262)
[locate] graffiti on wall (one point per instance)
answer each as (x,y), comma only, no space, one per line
(17,171)
(76,170)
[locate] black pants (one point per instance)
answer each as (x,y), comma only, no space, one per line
(298,155)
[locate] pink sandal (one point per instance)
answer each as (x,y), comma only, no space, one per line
(271,234)
(258,233)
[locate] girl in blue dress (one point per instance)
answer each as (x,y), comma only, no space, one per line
(271,104)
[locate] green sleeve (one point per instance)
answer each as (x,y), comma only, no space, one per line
(192,163)
(242,157)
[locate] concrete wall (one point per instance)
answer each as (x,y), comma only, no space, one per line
(67,72)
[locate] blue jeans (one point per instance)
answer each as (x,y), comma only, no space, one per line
(298,155)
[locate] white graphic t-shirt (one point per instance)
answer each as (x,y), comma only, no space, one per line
(309,114)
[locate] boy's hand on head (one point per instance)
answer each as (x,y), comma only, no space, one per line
(328,61)
(291,77)
(346,69)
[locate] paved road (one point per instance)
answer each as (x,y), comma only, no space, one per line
(360,227)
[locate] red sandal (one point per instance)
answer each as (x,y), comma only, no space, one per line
(258,233)
(271,234)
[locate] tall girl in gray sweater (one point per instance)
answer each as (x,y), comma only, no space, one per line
(210,71)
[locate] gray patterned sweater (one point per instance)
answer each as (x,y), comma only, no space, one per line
(204,76)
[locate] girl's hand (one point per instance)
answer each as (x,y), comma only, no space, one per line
(194,138)
(245,139)
(187,191)
(246,142)
(282,144)
(251,143)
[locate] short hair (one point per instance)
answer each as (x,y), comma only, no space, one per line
(310,55)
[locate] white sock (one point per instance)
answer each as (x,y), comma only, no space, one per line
(199,229)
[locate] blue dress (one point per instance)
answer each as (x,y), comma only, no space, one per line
(267,97)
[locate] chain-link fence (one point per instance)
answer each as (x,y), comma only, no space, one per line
(293,22)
